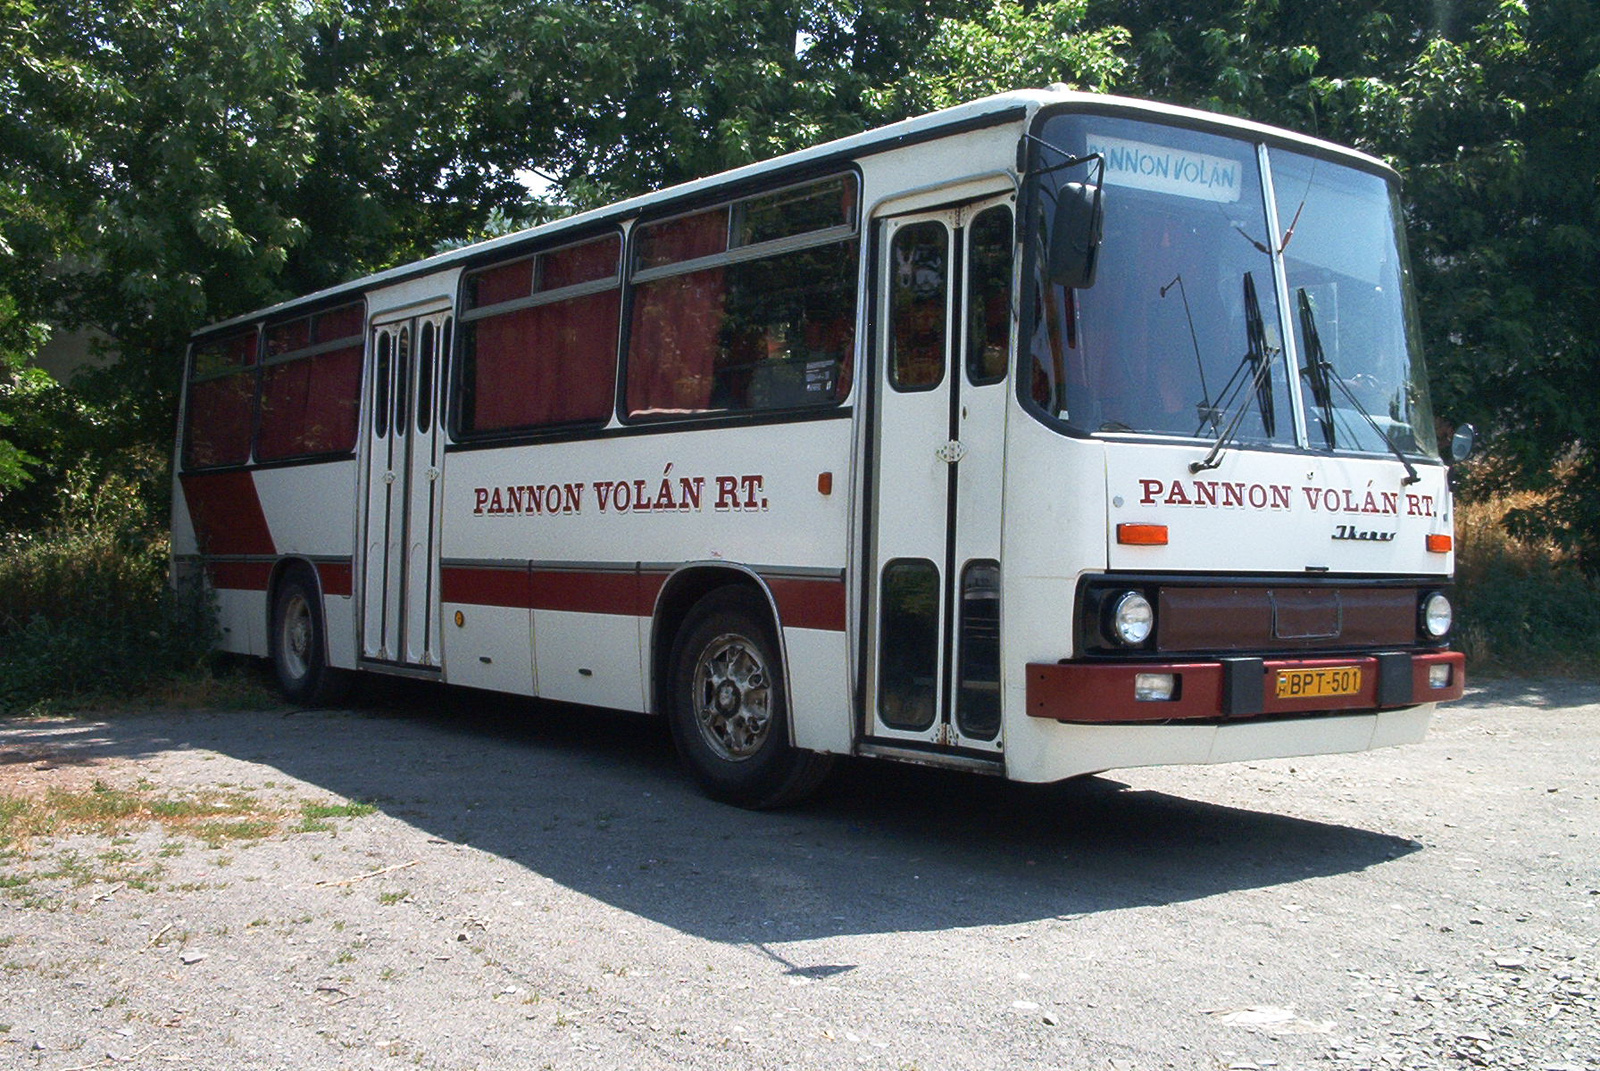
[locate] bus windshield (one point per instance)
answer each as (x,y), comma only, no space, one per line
(1184,332)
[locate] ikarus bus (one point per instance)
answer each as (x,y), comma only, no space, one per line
(1044,435)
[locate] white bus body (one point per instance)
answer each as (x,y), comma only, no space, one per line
(816,459)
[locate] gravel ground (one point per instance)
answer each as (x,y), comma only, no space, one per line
(540,887)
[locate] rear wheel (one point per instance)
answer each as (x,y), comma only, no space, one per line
(728,708)
(298,647)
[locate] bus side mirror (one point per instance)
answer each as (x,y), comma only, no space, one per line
(1462,442)
(1075,237)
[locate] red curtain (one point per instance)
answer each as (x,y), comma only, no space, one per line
(550,364)
(219,421)
(672,348)
(310,405)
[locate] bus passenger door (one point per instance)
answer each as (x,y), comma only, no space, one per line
(400,577)
(944,342)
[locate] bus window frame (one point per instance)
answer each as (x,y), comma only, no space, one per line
(730,197)
(314,350)
(462,316)
(252,369)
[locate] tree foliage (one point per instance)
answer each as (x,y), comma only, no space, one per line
(165,163)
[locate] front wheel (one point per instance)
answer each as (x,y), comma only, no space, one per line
(728,709)
(298,650)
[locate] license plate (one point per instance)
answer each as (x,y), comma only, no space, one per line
(1316,683)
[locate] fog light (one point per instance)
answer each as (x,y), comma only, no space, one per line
(1439,675)
(1157,687)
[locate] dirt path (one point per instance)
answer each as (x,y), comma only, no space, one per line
(515,886)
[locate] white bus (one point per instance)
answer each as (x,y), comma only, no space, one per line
(1045,435)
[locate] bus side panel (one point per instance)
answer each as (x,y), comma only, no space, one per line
(820,693)
(310,510)
(488,646)
(1055,512)
(339,620)
(598,523)
(242,619)
(590,658)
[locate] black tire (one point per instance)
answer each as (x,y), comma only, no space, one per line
(299,649)
(728,708)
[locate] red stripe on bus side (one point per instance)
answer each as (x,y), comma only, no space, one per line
(486,587)
(336,577)
(814,604)
(240,576)
(589,592)
(818,604)
(226,513)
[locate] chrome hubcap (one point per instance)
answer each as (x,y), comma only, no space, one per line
(733,697)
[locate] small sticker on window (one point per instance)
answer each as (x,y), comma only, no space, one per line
(820,376)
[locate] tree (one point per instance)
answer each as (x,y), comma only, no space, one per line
(167,164)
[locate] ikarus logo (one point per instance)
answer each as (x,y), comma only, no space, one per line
(1360,535)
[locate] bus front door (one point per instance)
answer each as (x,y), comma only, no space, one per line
(405,445)
(944,345)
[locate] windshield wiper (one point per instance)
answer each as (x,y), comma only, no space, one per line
(1318,366)
(1317,369)
(1258,358)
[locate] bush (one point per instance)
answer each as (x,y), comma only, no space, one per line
(86,611)
(1523,602)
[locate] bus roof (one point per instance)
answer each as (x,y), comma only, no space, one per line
(987,111)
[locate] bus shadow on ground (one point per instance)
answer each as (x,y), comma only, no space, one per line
(595,801)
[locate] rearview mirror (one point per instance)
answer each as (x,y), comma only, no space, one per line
(1075,237)
(1462,442)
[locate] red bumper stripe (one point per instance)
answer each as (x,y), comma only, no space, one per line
(1102,693)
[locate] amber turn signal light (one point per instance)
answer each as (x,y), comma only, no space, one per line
(1142,535)
(1440,544)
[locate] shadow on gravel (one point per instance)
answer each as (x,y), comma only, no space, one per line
(595,801)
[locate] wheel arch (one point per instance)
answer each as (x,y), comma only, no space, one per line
(282,569)
(686,586)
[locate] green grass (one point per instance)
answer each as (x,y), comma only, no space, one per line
(314,817)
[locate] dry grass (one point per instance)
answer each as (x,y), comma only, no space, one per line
(211,815)
(67,837)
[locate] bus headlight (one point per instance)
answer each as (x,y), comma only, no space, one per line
(1437,615)
(1131,618)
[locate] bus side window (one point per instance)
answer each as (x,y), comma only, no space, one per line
(748,306)
(311,385)
(908,643)
(917,291)
(989,296)
(402,380)
(222,387)
(539,340)
(425,381)
(380,388)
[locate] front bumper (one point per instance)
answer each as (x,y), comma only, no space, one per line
(1102,693)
